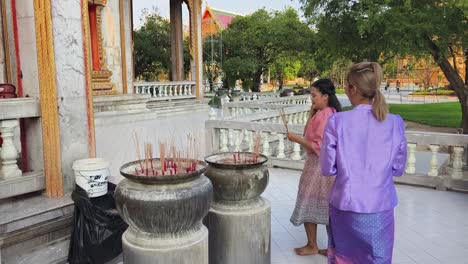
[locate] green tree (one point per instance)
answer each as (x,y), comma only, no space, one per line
(152,48)
(256,41)
(379,30)
(286,66)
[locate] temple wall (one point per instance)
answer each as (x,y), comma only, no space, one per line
(71,85)
(27,47)
(111,42)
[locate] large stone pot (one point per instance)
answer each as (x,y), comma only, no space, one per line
(239,181)
(239,219)
(164,214)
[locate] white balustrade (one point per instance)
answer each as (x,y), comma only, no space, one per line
(223,140)
(281,154)
(457,172)
(166,89)
(251,141)
(230,138)
(434,171)
(296,155)
(212,114)
(411,161)
(8,152)
(237,145)
(266,145)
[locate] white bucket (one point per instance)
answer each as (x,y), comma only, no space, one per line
(92,175)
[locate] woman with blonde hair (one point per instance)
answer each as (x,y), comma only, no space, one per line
(364,147)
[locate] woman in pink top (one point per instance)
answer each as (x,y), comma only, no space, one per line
(312,198)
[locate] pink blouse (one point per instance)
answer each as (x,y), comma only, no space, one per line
(315,128)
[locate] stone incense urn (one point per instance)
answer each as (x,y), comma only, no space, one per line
(164,214)
(239,219)
(243,180)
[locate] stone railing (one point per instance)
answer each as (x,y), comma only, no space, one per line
(12,180)
(434,159)
(272,104)
(252,96)
(167,90)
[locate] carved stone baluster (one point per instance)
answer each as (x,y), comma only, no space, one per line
(212,114)
(230,138)
(223,147)
(434,171)
(296,155)
(251,141)
(266,145)
(411,163)
(238,135)
(305,117)
(281,147)
(457,172)
(246,138)
(8,152)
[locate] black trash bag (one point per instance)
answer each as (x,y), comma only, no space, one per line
(97,228)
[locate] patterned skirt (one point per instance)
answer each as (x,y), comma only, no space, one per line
(312,196)
(356,238)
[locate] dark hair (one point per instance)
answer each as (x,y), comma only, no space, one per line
(326,86)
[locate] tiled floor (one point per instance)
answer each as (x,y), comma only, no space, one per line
(431,226)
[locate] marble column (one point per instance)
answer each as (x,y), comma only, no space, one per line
(75,135)
(177,48)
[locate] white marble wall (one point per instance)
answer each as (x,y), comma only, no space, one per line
(27,47)
(111,41)
(71,85)
(11,41)
(30,81)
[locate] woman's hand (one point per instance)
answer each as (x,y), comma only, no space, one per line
(292,137)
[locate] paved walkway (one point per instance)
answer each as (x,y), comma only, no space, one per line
(431,226)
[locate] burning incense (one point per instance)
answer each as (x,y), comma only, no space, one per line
(173,160)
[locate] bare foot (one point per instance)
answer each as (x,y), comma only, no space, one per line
(306,250)
(323,252)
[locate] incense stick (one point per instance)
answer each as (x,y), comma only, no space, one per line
(284,119)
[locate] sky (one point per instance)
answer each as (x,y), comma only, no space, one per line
(243,7)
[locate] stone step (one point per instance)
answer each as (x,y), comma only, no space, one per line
(55,252)
(29,222)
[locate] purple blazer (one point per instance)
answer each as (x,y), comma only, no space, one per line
(364,154)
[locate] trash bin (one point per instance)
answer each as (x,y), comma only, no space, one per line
(97,228)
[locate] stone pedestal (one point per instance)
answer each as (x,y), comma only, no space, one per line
(164,214)
(239,219)
(240,232)
(184,250)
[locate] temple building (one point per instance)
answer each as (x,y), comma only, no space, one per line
(66,62)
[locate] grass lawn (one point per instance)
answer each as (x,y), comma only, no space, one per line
(440,114)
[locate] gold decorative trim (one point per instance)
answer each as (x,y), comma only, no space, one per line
(6,43)
(48,98)
(123,50)
(101,81)
(195,43)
